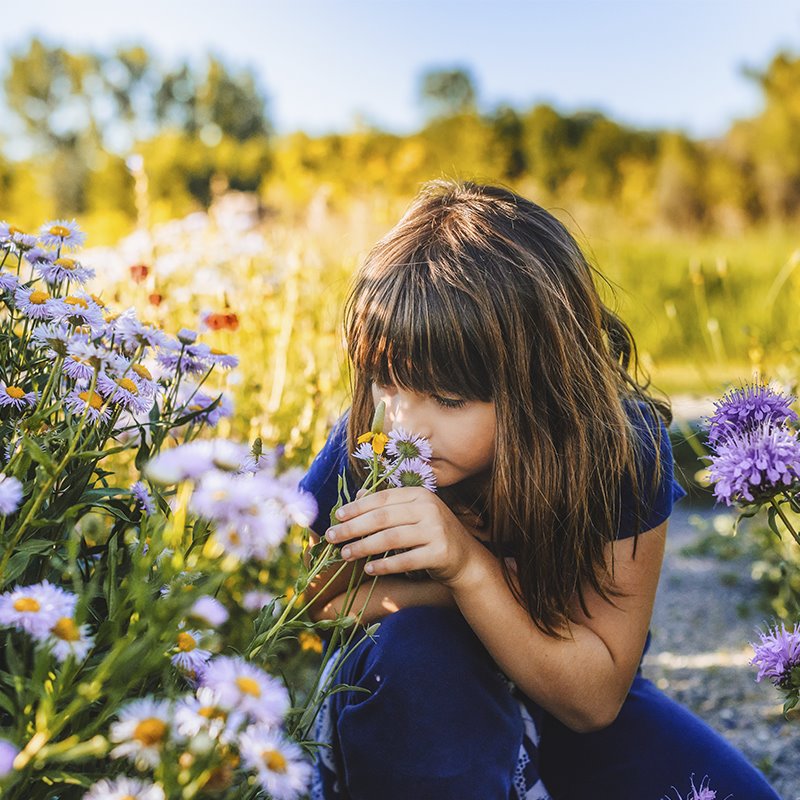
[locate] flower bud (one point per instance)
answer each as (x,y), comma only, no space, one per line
(377,419)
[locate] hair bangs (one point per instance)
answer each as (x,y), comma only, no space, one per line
(421,333)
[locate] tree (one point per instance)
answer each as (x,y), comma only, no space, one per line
(448,92)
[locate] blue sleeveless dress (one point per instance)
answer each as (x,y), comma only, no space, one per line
(440,721)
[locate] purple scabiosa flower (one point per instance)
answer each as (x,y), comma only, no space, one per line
(62,233)
(190,658)
(8,281)
(279,764)
(143,499)
(10,494)
(746,408)
(209,611)
(190,461)
(124,789)
(242,686)
(36,608)
(142,731)
(403,445)
(753,464)
(56,271)
(33,303)
(54,335)
(413,472)
(80,400)
(16,397)
(8,752)
(778,655)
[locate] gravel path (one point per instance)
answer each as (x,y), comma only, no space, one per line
(704,618)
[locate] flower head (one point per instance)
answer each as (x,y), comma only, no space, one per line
(753,463)
(278,763)
(10,494)
(402,445)
(413,472)
(777,656)
(62,233)
(209,611)
(79,401)
(142,731)
(33,303)
(16,396)
(68,639)
(8,752)
(56,270)
(377,440)
(190,658)
(143,498)
(191,460)
(36,608)
(124,789)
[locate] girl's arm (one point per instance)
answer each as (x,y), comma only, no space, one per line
(391,593)
(584,679)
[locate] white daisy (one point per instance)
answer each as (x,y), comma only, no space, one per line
(124,789)
(10,493)
(278,763)
(204,714)
(190,658)
(242,686)
(36,608)
(142,731)
(68,639)
(62,233)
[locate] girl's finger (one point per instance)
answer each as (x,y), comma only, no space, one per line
(379,543)
(418,558)
(388,497)
(378,519)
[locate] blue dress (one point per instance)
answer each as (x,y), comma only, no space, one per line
(440,720)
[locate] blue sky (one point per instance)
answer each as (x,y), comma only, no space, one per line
(323,63)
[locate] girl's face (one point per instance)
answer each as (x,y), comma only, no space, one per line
(461,432)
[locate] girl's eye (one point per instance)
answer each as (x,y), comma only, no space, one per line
(445,403)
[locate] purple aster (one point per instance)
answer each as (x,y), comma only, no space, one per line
(64,269)
(33,303)
(62,233)
(778,655)
(79,401)
(364,452)
(403,445)
(16,396)
(751,465)
(10,494)
(413,472)
(54,335)
(193,459)
(199,402)
(743,409)
(701,792)
(8,752)
(221,359)
(8,281)
(132,333)
(192,359)
(143,498)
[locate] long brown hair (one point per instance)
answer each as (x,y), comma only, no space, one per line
(480,293)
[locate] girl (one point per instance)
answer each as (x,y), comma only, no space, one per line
(513,669)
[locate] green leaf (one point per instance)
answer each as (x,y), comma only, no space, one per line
(38,454)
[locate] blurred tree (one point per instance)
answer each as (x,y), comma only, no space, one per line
(509,130)
(448,92)
(680,182)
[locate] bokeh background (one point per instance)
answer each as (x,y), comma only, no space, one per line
(242,159)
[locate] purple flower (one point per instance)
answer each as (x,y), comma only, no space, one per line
(10,494)
(755,463)
(413,472)
(744,409)
(778,655)
(143,499)
(8,752)
(402,445)
(702,792)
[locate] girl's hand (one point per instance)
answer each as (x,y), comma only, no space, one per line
(409,518)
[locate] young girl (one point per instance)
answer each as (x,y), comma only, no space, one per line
(513,669)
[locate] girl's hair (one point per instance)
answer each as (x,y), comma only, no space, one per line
(482,294)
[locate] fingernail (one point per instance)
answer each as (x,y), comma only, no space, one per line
(340,513)
(330,535)
(345,552)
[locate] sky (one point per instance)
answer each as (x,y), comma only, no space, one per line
(325,64)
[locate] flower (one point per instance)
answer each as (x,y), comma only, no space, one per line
(125,392)
(778,656)
(378,440)
(191,460)
(191,359)
(54,271)
(745,408)
(143,498)
(403,445)
(124,789)
(54,335)
(277,762)
(68,639)
(203,714)
(132,333)
(142,731)
(255,600)
(221,359)
(754,463)
(242,686)
(702,792)
(210,611)
(77,309)
(8,752)
(61,233)
(36,608)
(78,401)
(202,407)
(364,452)
(33,303)
(17,397)
(413,472)
(190,659)
(8,281)
(10,494)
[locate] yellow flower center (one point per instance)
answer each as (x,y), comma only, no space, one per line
(66,263)
(195,407)
(217,352)
(310,641)
(92,398)
(127,383)
(67,630)
(13,230)
(76,301)
(15,392)
(186,642)
(27,604)
(211,712)
(97,300)
(150,731)
(60,230)
(274,760)
(248,686)
(38,297)
(142,371)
